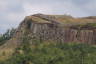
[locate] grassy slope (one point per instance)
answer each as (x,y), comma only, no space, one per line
(51,53)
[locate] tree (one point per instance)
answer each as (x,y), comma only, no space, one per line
(7,35)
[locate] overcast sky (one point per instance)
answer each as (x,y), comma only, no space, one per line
(12,12)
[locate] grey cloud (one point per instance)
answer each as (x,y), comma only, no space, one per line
(13,11)
(80,2)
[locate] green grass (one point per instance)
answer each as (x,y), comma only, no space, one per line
(39,20)
(52,53)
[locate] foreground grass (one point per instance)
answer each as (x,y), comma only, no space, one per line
(52,53)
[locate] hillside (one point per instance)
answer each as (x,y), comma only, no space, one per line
(57,28)
(38,31)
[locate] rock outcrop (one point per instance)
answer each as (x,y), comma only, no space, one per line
(57,28)
(60,28)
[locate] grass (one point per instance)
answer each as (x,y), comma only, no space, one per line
(6,54)
(63,19)
(39,20)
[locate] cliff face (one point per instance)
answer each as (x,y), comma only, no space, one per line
(57,28)
(60,28)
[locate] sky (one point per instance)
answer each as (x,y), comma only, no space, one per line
(12,12)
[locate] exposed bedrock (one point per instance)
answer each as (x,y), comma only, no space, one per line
(47,31)
(57,28)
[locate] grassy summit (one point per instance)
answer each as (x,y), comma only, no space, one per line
(63,19)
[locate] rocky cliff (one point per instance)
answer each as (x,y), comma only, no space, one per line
(57,28)
(60,28)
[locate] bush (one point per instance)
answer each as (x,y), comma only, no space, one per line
(55,54)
